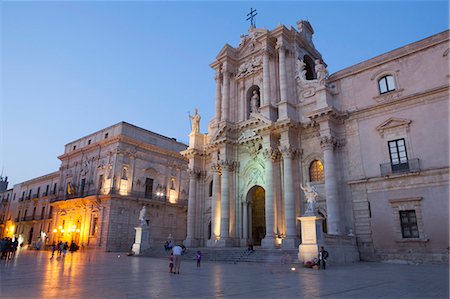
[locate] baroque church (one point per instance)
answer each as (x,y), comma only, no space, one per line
(361,137)
(371,141)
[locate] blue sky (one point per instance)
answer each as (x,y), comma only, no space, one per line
(71,68)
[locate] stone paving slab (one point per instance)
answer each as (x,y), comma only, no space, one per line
(91,274)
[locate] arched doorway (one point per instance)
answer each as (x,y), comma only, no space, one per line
(257,196)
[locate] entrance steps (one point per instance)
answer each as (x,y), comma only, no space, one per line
(232,255)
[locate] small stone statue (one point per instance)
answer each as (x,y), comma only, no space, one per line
(142,216)
(311,194)
(321,72)
(195,122)
(254,101)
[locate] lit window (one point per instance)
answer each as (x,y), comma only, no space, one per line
(399,157)
(408,222)
(316,171)
(386,84)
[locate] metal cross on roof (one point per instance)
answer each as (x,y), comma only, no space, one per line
(251,16)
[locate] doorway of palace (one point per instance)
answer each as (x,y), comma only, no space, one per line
(257,196)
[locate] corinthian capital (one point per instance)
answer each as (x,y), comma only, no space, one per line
(226,165)
(270,154)
(328,142)
(194,173)
(288,151)
(216,168)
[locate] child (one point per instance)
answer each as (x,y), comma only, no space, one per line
(171,263)
(199,258)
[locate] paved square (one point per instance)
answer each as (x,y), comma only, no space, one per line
(90,274)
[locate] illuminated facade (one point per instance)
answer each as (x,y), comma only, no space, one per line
(362,136)
(95,197)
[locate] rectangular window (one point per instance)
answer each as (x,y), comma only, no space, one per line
(148,188)
(50,213)
(43,213)
(34,213)
(89,141)
(38,192)
(100,182)
(46,190)
(398,155)
(83,185)
(408,222)
(94,226)
(54,189)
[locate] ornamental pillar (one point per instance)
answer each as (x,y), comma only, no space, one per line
(328,144)
(225,240)
(282,69)
(225,94)
(290,240)
(215,203)
(218,96)
(266,79)
(269,240)
(190,238)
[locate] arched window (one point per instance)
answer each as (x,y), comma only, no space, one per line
(316,171)
(309,67)
(386,84)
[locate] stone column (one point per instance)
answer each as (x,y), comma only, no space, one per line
(218,96)
(331,191)
(215,204)
(190,238)
(282,69)
(225,240)
(225,94)
(289,199)
(244,223)
(266,79)
(269,239)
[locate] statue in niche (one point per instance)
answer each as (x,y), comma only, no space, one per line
(124,173)
(311,194)
(254,101)
(321,71)
(143,217)
(195,121)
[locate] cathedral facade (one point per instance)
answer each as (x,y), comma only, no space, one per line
(372,139)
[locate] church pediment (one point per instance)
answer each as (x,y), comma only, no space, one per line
(392,123)
(227,51)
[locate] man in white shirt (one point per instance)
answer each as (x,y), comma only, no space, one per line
(177,250)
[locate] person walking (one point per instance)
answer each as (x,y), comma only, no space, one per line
(177,251)
(171,263)
(199,258)
(323,255)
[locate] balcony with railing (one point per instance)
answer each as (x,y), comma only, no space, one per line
(411,166)
(116,192)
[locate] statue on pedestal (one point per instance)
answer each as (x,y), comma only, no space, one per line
(311,194)
(195,122)
(142,217)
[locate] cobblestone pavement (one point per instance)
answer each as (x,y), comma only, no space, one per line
(91,274)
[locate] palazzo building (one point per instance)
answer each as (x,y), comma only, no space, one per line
(95,197)
(373,139)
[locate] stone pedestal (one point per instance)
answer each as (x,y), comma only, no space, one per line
(312,238)
(191,242)
(142,240)
(224,242)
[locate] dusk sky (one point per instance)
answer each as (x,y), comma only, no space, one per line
(69,69)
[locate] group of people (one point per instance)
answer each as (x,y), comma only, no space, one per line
(175,258)
(8,248)
(63,247)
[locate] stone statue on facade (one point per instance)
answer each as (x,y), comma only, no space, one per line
(195,121)
(254,101)
(321,72)
(300,69)
(143,217)
(311,194)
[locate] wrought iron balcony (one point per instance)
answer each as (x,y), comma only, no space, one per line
(412,165)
